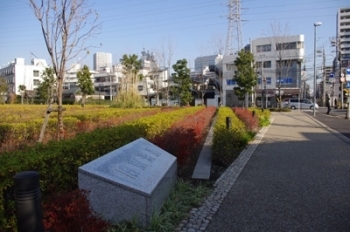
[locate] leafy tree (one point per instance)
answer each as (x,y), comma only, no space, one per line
(47,88)
(3,89)
(85,83)
(66,25)
(22,90)
(182,82)
(245,75)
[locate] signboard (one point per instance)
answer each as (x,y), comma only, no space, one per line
(347,86)
(347,71)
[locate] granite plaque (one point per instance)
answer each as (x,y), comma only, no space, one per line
(130,182)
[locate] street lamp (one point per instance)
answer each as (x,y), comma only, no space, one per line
(316,24)
(265,94)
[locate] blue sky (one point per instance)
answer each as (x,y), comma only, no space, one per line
(129,26)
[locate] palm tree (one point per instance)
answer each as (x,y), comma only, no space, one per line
(22,90)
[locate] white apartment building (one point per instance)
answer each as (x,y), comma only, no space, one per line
(107,80)
(155,78)
(102,60)
(343,35)
(278,62)
(18,73)
(228,83)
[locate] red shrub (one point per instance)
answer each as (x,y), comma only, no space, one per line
(71,212)
(251,121)
(185,136)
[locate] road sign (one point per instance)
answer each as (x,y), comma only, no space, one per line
(347,86)
(331,75)
(347,76)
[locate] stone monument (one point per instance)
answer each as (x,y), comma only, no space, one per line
(130,182)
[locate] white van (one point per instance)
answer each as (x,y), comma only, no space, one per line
(302,103)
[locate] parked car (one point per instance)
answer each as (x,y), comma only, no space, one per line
(300,103)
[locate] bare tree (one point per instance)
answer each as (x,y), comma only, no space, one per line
(165,58)
(66,25)
(217,43)
(281,49)
(201,81)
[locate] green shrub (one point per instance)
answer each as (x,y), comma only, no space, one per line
(228,142)
(57,162)
(263,115)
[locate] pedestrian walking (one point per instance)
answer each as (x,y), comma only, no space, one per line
(335,103)
(328,104)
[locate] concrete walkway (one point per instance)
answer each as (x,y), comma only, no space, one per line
(294,177)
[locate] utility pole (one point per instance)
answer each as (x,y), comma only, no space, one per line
(324,79)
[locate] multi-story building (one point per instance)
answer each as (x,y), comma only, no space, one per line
(207,79)
(200,63)
(18,73)
(342,44)
(228,83)
(343,35)
(102,60)
(279,66)
(155,80)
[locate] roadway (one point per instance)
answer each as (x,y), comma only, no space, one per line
(335,120)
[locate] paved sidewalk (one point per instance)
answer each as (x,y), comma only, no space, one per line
(295,176)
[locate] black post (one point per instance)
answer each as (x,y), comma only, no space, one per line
(28,202)
(228,122)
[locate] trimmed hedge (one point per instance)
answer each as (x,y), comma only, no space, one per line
(227,143)
(57,162)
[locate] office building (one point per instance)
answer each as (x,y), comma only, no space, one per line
(278,62)
(102,60)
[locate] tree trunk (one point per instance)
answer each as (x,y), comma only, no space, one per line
(47,115)
(60,126)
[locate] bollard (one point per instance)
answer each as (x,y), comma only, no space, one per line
(228,122)
(28,202)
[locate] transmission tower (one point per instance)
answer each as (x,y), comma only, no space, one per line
(234,30)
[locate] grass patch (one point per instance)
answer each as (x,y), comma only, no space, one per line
(181,200)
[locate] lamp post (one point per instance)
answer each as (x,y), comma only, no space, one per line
(316,24)
(265,94)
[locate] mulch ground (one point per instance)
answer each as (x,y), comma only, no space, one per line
(185,171)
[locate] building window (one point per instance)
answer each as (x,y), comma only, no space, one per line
(140,87)
(268,80)
(263,48)
(231,82)
(35,73)
(36,82)
(287,80)
(266,64)
(289,46)
(229,67)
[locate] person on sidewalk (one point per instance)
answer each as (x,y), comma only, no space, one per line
(335,103)
(328,104)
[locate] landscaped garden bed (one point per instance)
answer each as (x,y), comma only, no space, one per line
(180,131)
